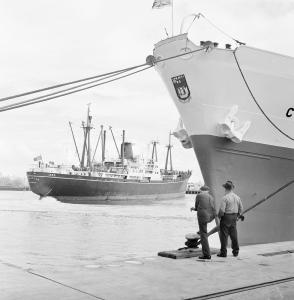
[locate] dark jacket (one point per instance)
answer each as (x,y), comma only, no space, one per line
(205,207)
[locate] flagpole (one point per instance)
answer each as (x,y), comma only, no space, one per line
(172,7)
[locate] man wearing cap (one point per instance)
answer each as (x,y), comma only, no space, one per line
(205,207)
(231,207)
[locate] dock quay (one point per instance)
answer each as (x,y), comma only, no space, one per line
(260,272)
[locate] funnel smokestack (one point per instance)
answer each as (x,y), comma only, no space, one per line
(128,150)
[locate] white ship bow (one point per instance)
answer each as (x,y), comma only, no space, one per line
(233,104)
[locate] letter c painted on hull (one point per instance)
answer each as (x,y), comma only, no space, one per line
(289,112)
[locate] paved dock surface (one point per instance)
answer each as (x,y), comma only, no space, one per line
(249,276)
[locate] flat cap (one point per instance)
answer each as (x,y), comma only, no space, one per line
(228,185)
(204,188)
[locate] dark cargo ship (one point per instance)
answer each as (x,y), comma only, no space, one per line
(125,178)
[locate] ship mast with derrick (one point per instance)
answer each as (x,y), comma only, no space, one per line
(168,159)
(85,160)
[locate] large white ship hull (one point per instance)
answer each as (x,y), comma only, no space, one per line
(264,160)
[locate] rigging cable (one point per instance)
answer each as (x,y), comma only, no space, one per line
(197,16)
(219,29)
(97,143)
(256,102)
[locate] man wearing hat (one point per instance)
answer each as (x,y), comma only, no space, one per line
(231,207)
(205,207)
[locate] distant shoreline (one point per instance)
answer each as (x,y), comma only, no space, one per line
(13,188)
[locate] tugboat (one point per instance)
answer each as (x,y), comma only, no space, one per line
(125,178)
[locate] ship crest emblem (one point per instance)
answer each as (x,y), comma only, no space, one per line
(181,88)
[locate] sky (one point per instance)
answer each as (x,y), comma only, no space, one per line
(49,42)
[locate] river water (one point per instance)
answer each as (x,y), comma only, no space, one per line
(47,232)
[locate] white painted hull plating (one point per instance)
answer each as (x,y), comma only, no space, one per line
(264,161)
(216,85)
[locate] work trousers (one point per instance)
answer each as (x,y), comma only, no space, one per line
(228,227)
(204,238)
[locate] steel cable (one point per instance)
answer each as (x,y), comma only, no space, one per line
(220,30)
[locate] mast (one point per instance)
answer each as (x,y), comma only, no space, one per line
(89,163)
(102,144)
(73,136)
(170,158)
(84,145)
(154,151)
(168,155)
(123,148)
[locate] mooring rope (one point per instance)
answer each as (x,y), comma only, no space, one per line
(267,197)
(33,100)
(46,98)
(256,102)
(71,82)
(77,88)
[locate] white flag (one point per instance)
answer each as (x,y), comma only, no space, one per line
(161,3)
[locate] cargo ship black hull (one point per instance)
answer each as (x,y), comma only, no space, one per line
(89,189)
